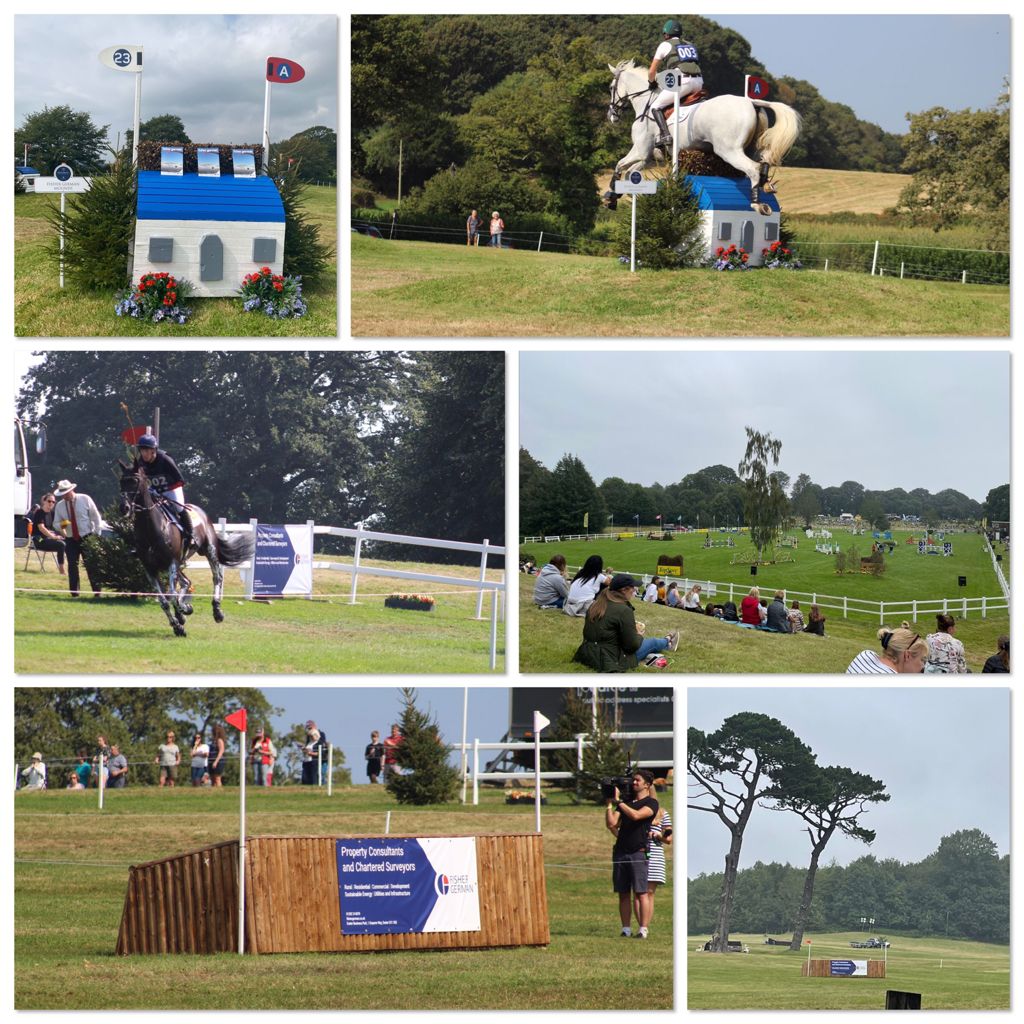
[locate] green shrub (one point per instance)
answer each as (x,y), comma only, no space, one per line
(305,255)
(667,227)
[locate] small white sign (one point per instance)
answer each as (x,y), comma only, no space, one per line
(672,81)
(123,58)
(57,185)
(643,187)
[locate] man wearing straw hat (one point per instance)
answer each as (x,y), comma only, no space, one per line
(77,516)
(34,776)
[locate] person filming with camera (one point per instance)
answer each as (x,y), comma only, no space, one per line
(628,816)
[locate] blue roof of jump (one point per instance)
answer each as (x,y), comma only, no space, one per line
(26,170)
(716,193)
(195,197)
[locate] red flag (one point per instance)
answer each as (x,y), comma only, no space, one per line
(283,71)
(132,434)
(237,719)
(757,88)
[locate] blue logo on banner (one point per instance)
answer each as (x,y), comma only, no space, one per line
(272,561)
(385,886)
(442,885)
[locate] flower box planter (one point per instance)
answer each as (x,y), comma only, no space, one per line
(523,798)
(409,601)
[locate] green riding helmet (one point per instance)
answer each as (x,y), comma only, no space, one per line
(672,28)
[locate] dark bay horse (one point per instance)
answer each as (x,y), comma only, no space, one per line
(159,546)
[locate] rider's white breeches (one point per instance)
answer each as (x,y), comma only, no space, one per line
(176,494)
(665,97)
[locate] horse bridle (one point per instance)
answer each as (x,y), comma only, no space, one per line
(619,103)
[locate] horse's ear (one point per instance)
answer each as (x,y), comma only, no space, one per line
(611,68)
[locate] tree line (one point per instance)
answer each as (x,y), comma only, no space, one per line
(554,501)
(407,443)
(508,112)
(961,890)
(752,763)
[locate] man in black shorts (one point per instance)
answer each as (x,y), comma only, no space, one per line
(629,822)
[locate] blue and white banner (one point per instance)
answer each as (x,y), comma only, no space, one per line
(388,886)
(282,561)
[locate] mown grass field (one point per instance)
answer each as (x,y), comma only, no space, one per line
(70,876)
(949,974)
(549,639)
(420,289)
(43,310)
(325,635)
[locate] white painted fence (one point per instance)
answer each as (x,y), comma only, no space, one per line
(356,568)
(578,744)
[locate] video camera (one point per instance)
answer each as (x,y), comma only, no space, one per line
(623,783)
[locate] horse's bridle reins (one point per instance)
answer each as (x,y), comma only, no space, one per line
(618,103)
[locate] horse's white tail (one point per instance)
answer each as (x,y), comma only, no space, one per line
(775,142)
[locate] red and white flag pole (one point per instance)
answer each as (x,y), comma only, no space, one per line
(238,720)
(283,72)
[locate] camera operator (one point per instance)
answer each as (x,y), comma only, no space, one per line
(629,821)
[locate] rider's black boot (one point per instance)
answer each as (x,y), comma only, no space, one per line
(664,135)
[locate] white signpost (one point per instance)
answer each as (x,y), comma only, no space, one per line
(673,81)
(63,182)
(128,58)
(634,184)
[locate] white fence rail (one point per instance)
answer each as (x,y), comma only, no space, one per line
(578,744)
(356,568)
(1003,585)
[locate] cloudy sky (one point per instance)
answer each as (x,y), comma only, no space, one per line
(209,70)
(885,65)
(885,419)
(943,754)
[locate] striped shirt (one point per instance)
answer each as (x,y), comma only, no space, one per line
(656,864)
(867,663)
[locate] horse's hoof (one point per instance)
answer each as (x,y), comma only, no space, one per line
(187,609)
(218,615)
(180,617)
(179,630)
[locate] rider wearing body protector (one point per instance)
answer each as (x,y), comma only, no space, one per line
(673,54)
(165,479)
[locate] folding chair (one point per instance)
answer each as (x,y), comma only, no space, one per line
(40,554)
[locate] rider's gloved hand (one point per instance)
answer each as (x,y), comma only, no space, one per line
(653,86)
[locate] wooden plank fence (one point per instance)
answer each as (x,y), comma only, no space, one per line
(189,903)
(822,968)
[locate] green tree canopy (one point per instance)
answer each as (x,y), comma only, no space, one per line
(997,504)
(764,498)
(58,134)
(315,151)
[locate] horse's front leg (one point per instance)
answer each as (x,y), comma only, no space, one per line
(217,571)
(179,585)
(165,604)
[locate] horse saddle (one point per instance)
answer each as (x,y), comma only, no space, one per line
(688,101)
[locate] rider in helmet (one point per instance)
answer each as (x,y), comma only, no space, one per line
(673,54)
(165,478)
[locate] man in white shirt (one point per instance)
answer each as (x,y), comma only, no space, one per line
(76,516)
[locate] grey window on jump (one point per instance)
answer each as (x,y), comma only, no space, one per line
(771,231)
(161,250)
(747,235)
(725,231)
(264,250)
(211,259)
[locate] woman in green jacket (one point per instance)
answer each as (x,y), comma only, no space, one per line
(613,641)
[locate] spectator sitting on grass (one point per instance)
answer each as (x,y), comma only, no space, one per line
(583,587)
(816,624)
(749,608)
(796,618)
(945,652)
(729,613)
(1000,661)
(613,641)
(903,650)
(672,598)
(776,616)
(551,589)
(651,593)
(762,611)
(691,602)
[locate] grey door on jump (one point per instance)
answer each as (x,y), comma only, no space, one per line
(747,236)
(211,258)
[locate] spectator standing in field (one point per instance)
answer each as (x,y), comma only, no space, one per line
(630,822)
(117,768)
(200,755)
(217,755)
(83,769)
(613,641)
(659,836)
(374,755)
(903,650)
(749,613)
(796,618)
(102,759)
(472,229)
(945,652)
(268,757)
(44,536)
(310,755)
(256,757)
(34,776)
(551,588)
(391,745)
(497,227)
(777,617)
(78,517)
(816,624)
(1000,661)
(168,757)
(584,586)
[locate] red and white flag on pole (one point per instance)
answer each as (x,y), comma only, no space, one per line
(280,71)
(237,719)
